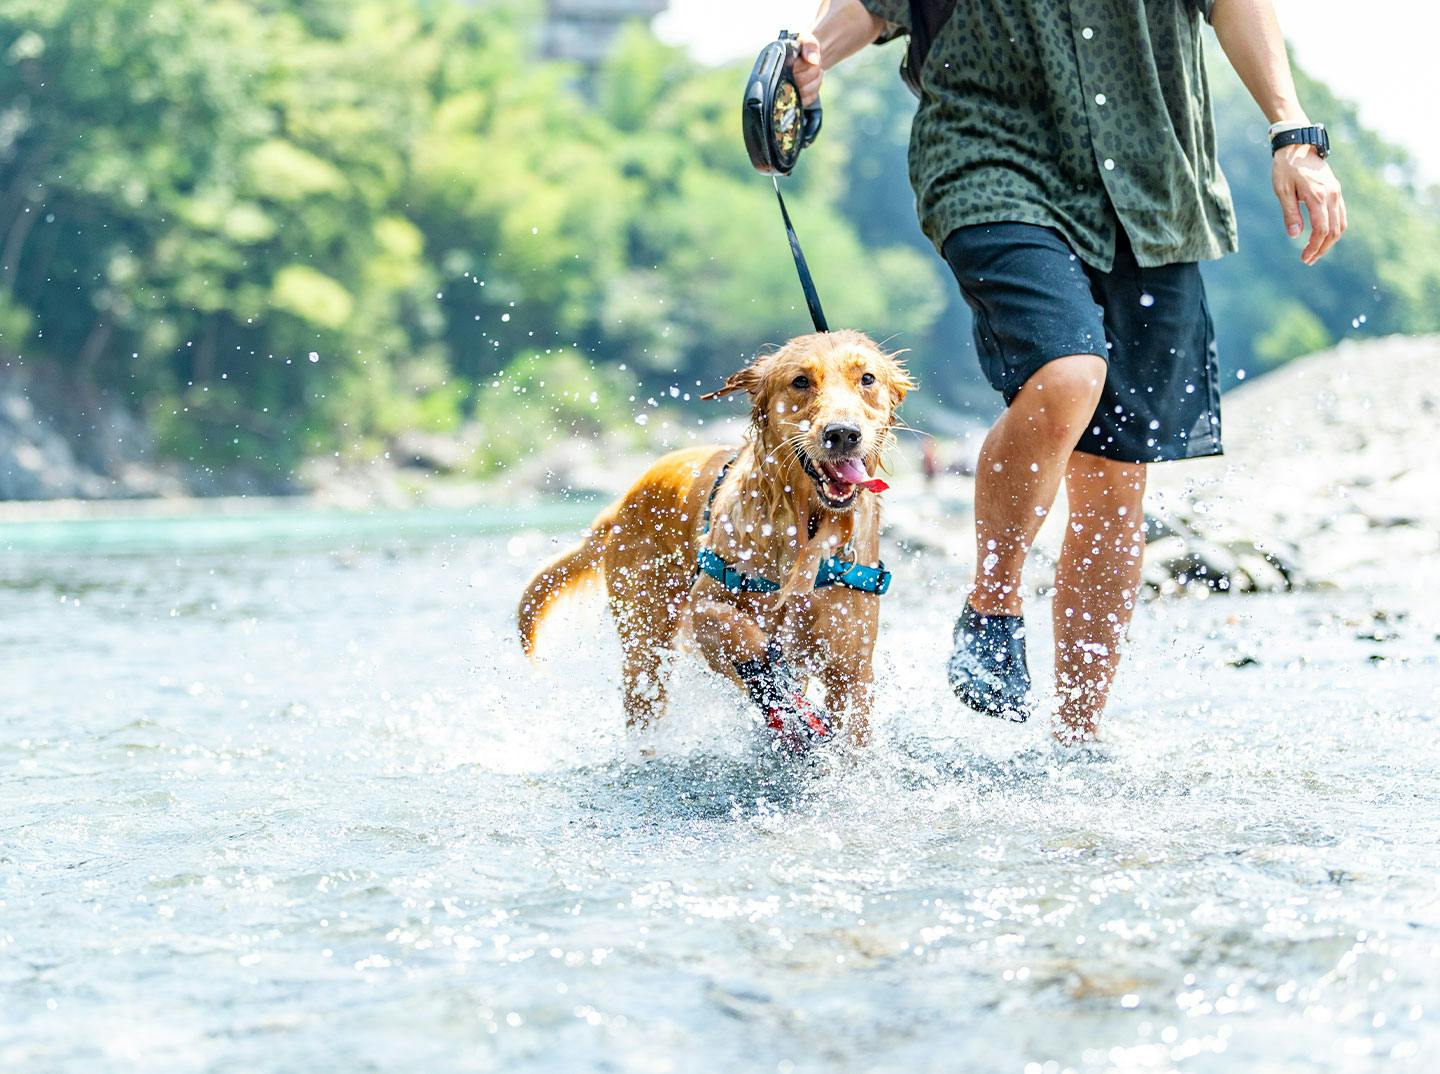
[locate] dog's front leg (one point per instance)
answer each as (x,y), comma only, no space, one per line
(848,694)
(725,632)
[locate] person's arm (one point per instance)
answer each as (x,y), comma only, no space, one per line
(1250,35)
(842,28)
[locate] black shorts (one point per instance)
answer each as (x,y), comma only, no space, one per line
(1035,301)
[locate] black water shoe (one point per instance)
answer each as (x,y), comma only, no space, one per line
(796,724)
(987,670)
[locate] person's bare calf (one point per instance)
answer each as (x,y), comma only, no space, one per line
(1021,464)
(1096,586)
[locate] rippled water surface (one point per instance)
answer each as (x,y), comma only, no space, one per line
(281,794)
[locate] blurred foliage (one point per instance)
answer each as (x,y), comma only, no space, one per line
(278,228)
(1383,276)
(541,399)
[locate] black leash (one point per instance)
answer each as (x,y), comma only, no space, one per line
(777,125)
(807,282)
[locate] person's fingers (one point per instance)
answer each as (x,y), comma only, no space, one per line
(1289,207)
(1335,210)
(1319,227)
(807,81)
(807,70)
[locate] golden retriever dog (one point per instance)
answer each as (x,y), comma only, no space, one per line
(738,550)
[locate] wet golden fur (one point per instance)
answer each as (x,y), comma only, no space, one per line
(768,518)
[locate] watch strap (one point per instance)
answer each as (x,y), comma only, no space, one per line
(1313,135)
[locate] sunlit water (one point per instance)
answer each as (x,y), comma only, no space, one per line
(283,795)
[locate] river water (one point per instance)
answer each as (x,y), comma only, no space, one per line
(280,793)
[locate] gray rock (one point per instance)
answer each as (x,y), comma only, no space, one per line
(430,451)
(60,443)
(1330,468)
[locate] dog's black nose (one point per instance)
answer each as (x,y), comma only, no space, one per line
(841,436)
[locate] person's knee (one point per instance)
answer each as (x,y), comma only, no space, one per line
(1059,399)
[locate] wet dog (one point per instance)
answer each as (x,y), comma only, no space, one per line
(766,555)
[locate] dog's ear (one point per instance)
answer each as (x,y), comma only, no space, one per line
(748,379)
(901,382)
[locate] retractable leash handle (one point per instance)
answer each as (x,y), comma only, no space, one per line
(775,124)
(776,129)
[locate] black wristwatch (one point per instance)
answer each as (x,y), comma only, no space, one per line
(1315,136)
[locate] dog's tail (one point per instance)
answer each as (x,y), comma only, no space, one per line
(570,568)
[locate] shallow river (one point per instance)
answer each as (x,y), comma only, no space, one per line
(281,794)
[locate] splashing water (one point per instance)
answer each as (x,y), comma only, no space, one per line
(281,798)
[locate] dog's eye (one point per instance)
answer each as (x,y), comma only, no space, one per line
(801,383)
(867,379)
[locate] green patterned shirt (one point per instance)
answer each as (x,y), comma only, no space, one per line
(1071,114)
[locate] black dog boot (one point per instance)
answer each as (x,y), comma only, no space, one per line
(987,670)
(796,724)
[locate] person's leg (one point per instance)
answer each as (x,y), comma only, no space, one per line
(1021,464)
(1041,340)
(1096,585)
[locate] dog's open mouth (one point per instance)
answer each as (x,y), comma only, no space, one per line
(839,481)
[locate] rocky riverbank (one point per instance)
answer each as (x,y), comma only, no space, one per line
(1332,466)
(68,443)
(57,443)
(1331,469)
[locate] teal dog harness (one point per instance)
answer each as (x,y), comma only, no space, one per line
(833,571)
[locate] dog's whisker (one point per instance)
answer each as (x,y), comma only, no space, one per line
(794,443)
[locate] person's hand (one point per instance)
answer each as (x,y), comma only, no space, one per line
(807,70)
(1301,177)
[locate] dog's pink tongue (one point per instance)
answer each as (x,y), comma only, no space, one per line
(852,472)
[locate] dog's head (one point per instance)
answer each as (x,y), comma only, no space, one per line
(825,404)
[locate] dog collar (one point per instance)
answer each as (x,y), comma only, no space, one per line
(833,571)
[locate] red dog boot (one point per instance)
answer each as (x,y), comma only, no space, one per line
(796,723)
